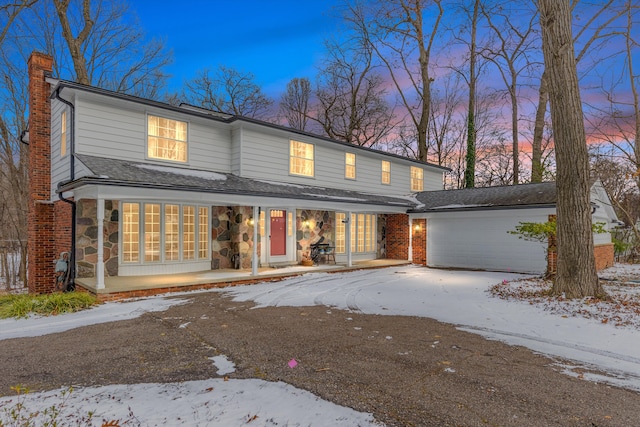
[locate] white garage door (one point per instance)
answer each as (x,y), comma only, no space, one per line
(480,240)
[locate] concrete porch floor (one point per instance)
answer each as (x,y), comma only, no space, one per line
(139,286)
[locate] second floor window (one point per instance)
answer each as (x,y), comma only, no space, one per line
(417,181)
(350,165)
(301,158)
(166,139)
(386,172)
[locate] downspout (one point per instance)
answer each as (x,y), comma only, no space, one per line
(72,176)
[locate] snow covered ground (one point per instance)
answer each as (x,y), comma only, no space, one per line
(553,327)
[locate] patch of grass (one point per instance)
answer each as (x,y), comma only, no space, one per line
(20,306)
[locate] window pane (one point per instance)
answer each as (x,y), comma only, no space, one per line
(340,233)
(361,226)
(203,233)
(417,182)
(350,166)
(166,139)
(63,134)
(367,233)
(130,232)
(354,235)
(301,158)
(171,232)
(371,233)
(152,232)
(386,172)
(188,232)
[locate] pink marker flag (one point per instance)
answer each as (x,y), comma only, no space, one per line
(293,363)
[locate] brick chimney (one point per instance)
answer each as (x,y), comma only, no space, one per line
(40,218)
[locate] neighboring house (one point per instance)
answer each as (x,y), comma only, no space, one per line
(135,187)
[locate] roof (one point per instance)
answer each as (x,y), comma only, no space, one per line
(508,196)
(223,118)
(107,171)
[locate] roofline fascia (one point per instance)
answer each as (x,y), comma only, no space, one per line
(61,84)
(70,186)
(482,208)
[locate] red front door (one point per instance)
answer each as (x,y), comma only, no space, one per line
(278,233)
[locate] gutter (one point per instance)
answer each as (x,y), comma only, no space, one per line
(72,175)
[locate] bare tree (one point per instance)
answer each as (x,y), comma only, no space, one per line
(294,103)
(229,91)
(399,35)
(351,97)
(470,169)
(576,271)
(108,52)
(587,37)
(114,55)
(511,56)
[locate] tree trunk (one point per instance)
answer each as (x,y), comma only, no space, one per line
(537,168)
(576,272)
(470,169)
(514,129)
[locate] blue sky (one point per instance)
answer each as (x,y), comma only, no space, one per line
(276,40)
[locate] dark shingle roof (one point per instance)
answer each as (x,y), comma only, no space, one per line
(145,175)
(539,194)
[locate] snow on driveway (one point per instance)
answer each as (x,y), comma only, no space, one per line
(457,297)
(461,298)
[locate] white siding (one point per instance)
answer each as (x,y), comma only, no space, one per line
(59,165)
(265,155)
(236,145)
(480,240)
(118,130)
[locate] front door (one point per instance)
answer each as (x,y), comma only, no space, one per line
(278,233)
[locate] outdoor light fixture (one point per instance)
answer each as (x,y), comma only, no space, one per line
(417,227)
(250,221)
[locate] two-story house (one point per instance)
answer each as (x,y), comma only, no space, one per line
(138,187)
(133,187)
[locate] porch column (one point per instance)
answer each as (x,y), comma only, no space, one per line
(349,217)
(100,262)
(410,239)
(256,226)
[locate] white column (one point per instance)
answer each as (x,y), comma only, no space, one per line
(256,226)
(100,263)
(410,239)
(349,218)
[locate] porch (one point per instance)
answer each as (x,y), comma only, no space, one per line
(121,287)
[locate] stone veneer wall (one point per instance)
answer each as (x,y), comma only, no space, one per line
(231,234)
(381,251)
(87,238)
(320,229)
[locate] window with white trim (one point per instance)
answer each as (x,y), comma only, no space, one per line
(301,158)
(157,232)
(386,172)
(166,139)
(63,134)
(349,165)
(363,233)
(130,232)
(417,181)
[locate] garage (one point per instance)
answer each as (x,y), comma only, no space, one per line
(469,228)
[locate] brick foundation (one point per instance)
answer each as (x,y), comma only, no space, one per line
(604,254)
(397,236)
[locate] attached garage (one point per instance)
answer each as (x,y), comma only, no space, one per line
(470,228)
